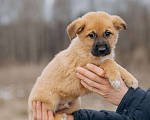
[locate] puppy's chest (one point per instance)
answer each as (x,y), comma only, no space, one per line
(105,58)
(85,61)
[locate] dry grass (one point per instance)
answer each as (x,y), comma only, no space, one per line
(16,82)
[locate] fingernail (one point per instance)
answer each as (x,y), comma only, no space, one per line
(34,103)
(50,114)
(88,65)
(78,74)
(42,104)
(77,69)
(38,103)
(51,118)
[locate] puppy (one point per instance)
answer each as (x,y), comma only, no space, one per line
(93,41)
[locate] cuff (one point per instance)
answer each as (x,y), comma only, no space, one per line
(80,115)
(130,101)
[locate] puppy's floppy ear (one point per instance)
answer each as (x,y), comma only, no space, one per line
(75,27)
(119,23)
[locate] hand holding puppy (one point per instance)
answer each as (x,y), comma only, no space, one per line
(92,79)
(41,113)
(95,81)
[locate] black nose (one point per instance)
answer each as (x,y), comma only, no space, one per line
(102,50)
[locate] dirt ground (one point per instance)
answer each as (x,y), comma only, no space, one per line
(16,82)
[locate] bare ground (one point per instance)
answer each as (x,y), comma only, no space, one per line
(16,82)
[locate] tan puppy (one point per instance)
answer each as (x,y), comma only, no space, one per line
(97,34)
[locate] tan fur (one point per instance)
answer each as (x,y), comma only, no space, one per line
(58,81)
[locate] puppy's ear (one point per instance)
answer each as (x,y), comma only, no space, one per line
(119,23)
(75,27)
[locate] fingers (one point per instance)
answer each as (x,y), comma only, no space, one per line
(96,69)
(91,85)
(87,73)
(88,81)
(44,113)
(91,88)
(39,112)
(50,115)
(34,110)
(91,75)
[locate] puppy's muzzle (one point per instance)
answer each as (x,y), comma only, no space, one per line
(101,50)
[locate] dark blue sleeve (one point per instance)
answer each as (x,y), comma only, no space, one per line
(135,105)
(86,114)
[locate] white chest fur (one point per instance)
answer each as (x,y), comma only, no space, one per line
(105,58)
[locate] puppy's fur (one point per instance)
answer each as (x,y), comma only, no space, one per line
(93,41)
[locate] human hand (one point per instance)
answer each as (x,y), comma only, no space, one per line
(94,80)
(41,113)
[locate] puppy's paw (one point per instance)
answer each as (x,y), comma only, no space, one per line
(60,117)
(134,86)
(115,83)
(115,80)
(65,116)
(132,83)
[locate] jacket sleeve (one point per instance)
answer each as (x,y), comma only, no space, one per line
(133,106)
(148,90)
(86,114)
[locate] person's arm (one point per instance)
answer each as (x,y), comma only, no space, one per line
(133,104)
(86,114)
(40,113)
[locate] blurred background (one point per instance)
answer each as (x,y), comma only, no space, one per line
(33,31)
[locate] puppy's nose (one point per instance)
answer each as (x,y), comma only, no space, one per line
(102,50)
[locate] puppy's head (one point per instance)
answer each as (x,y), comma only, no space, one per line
(97,31)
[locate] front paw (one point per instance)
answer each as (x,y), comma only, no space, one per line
(114,78)
(65,116)
(115,83)
(132,83)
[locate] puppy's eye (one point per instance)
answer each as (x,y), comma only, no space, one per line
(107,33)
(92,35)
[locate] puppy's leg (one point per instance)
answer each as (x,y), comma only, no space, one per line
(52,102)
(60,117)
(128,78)
(74,106)
(112,72)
